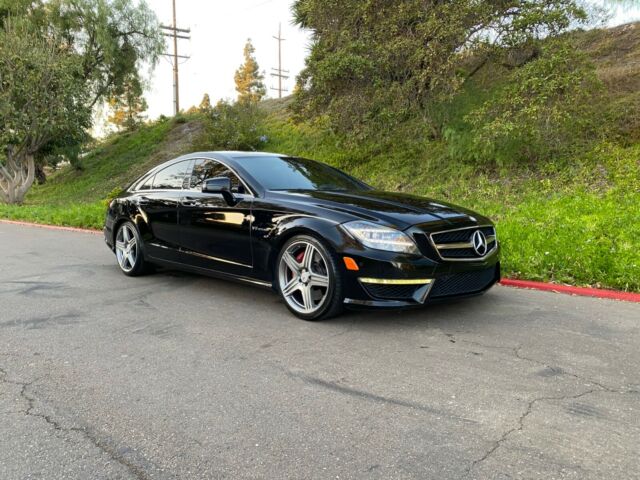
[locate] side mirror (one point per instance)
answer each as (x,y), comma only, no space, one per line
(220,185)
(217,185)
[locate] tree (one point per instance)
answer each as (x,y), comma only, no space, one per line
(380,62)
(236,126)
(205,104)
(41,97)
(110,40)
(128,105)
(113,37)
(249,80)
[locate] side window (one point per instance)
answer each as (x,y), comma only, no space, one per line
(146,184)
(171,178)
(206,169)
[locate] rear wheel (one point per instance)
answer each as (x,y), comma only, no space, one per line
(129,250)
(308,279)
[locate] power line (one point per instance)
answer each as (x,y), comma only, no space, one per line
(174,32)
(279,72)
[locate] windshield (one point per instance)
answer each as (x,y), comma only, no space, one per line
(288,173)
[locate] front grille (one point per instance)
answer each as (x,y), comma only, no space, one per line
(458,244)
(391,292)
(459,253)
(462,283)
(463,235)
(424,245)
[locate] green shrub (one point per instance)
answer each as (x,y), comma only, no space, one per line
(548,107)
(236,126)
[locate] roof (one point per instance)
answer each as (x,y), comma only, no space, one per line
(235,154)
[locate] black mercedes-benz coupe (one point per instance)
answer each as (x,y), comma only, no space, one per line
(316,235)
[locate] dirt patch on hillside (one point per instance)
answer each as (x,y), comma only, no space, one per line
(616,53)
(180,140)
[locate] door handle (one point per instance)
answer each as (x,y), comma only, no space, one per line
(188,202)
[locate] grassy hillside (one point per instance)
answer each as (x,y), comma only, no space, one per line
(77,197)
(574,220)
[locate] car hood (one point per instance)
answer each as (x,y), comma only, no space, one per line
(395,209)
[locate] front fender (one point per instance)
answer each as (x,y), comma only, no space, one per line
(269,236)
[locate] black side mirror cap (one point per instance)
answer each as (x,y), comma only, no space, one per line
(217,185)
(220,185)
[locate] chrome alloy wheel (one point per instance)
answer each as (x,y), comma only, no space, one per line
(303,276)
(126,248)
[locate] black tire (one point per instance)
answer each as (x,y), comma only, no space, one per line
(332,303)
(139,266)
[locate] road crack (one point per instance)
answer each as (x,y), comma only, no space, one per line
(520,424)
(521,421)
(516,351)
(135,470)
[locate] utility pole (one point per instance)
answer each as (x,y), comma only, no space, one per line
(279,72)
(173,31)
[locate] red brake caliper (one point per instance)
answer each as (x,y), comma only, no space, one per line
(299,257)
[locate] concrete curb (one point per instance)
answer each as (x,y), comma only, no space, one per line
(508,282)
(52,227)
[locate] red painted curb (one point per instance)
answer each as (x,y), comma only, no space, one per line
(52,227)
(582,291)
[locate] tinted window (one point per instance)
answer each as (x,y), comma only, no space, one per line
(171,177)
(206,169)
(146,184)
(287,173)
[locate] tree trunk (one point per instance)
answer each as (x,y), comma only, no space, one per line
(16,176)
(41,176)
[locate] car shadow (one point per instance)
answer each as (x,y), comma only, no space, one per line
(444,314)
(450,314)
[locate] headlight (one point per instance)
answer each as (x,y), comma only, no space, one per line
(381,238)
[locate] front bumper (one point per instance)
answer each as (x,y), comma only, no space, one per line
(389,280)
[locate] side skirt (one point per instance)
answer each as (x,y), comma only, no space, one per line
(210,273)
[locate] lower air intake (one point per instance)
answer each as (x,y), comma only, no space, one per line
(462,283)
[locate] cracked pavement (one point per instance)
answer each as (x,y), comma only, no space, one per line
(175,376)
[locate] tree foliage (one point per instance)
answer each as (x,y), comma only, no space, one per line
(41,98)
(546,108)
(205,104)
(380,62)
(249,80)
(103,43)
(113,37)
(128,104)
(236,126)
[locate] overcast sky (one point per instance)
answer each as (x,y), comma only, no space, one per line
(219,30)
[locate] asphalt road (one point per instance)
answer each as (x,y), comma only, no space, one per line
(174,376)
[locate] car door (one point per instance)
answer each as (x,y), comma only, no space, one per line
(158,202)
(215,233)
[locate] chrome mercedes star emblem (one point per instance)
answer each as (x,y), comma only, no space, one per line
(479,242)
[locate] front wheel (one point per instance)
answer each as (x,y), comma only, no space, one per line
(309,280)
(129,250)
